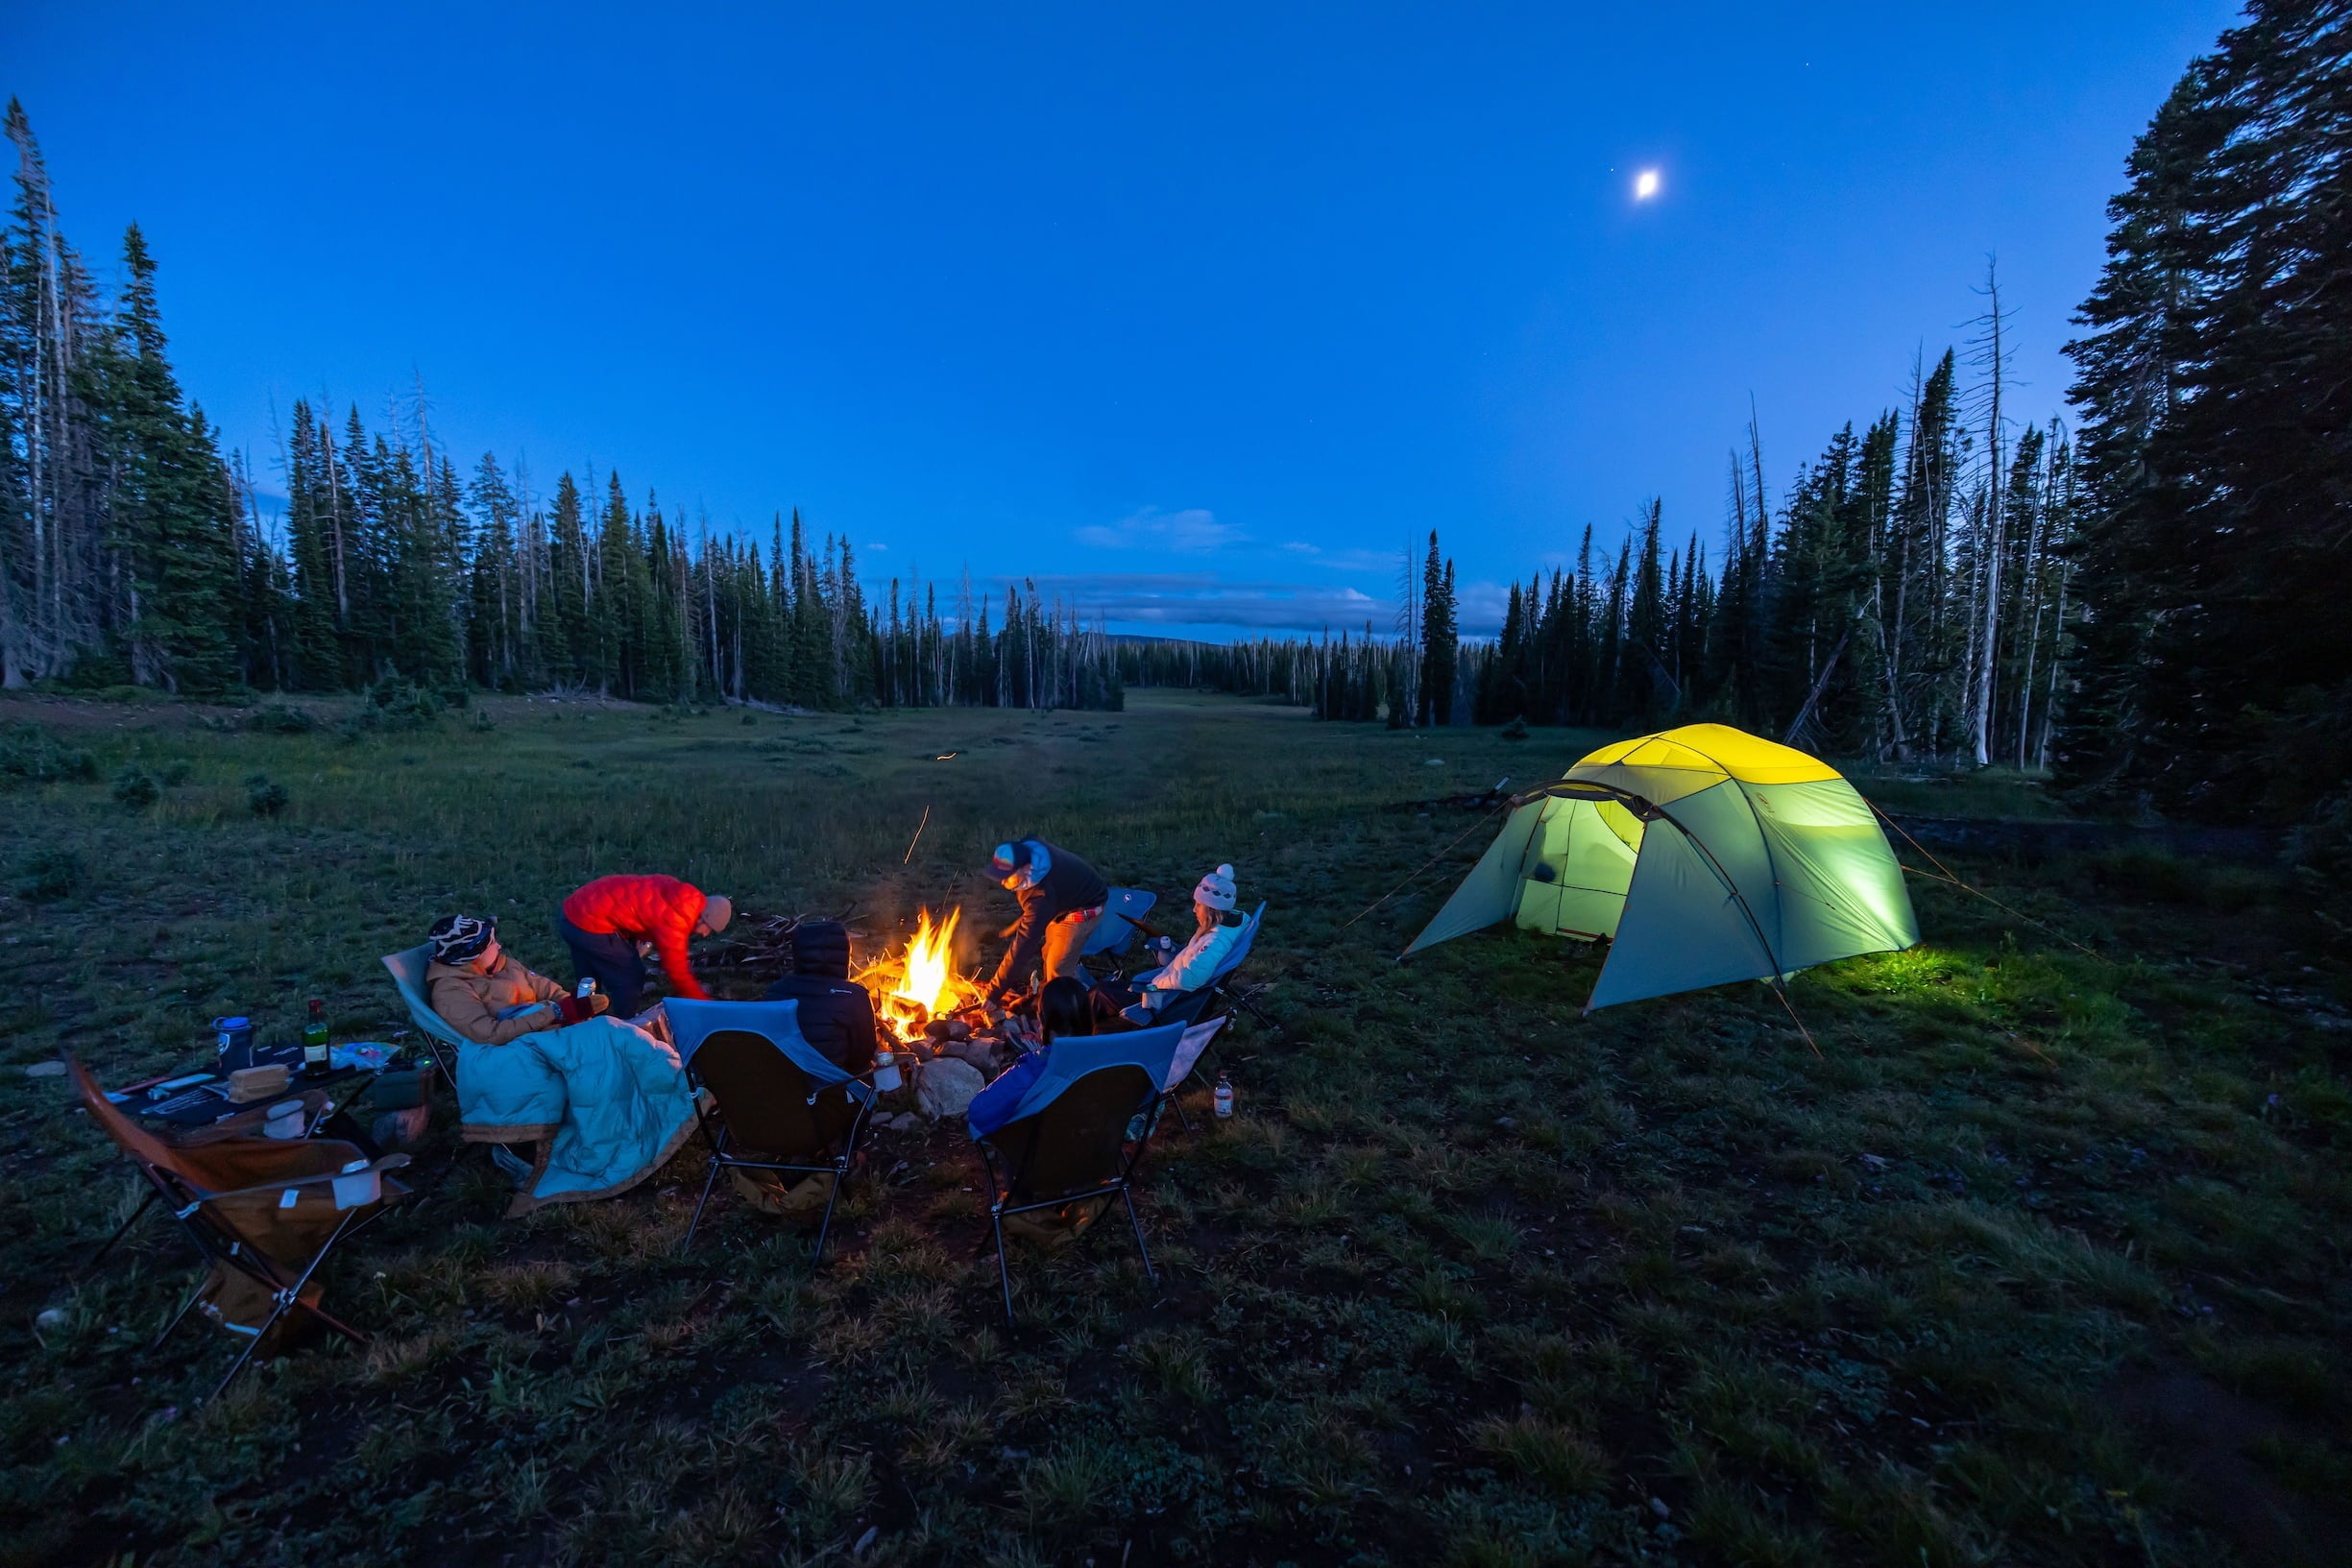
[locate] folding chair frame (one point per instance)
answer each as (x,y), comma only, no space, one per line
(721,1160)
(219,1243)
(1000,1188)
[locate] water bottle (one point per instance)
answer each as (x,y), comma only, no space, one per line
(234,1039)
(314,1038)
(886,1070)
(1224,1098)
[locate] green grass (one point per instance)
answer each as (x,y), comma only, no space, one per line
(1470,1279)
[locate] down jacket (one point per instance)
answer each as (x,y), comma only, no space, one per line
(661,911)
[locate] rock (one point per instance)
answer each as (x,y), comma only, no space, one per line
(45,1070)
(52,1319)
(947,1088)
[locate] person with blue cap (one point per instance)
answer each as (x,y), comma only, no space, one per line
(1062,903)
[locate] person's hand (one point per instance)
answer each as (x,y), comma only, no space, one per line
(599,1003)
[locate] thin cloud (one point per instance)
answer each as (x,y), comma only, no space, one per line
(1192,531)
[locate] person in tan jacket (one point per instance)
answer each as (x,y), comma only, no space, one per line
(486,996)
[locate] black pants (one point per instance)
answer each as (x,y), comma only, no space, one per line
(610,960)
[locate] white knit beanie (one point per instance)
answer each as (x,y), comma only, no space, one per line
(1216,889)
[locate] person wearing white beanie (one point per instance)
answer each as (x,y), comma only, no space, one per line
(1215,929)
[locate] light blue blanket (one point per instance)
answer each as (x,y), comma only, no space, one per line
(608,1101)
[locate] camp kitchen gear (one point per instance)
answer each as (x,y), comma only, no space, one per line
(1224,1100)
(314,1038)
(233,1040)
(172,1086)
(400,1091)
(886,1070)
(247,1084)
(286,1119)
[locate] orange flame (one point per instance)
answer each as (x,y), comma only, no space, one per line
(920,982)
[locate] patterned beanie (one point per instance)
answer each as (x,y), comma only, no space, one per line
(456,938)
(1216,889)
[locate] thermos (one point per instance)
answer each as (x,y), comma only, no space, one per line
(234,1039)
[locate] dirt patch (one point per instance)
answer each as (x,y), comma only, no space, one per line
(2209,1438)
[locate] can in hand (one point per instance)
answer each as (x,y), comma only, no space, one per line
(587,988)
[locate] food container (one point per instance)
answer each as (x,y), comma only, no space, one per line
(286,1119)
(247,1084)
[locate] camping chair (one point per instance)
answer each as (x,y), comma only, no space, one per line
(779,1100)
(263,1213)
(408,973)
(1122,912)
(1190,1006)
(1067,1141)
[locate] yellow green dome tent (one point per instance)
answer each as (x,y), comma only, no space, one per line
(1707,854)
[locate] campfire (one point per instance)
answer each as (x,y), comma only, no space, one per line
(919,983)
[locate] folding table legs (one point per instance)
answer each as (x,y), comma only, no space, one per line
(124,1229)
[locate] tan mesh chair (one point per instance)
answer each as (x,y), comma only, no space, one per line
(263,1213)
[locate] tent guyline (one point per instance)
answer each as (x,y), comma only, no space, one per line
(1705,853)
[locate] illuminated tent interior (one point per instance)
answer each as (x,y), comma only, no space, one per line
(1705,853)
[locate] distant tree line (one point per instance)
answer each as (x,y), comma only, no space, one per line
(133,552)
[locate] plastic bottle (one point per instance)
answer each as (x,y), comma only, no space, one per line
(886,1070)
(314,1038)
(1224,1098)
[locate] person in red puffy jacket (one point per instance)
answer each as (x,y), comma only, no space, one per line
(611,922)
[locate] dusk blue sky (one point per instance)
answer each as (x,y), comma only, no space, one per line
(1201,315)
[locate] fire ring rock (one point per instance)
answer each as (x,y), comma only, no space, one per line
(946,1087)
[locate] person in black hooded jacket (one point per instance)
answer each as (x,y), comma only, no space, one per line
(836,1016)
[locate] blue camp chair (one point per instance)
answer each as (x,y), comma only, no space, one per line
(1121,911)
(1067,1140)
(1187,1006)
(779,1100)
(1190,1006)
(408,973)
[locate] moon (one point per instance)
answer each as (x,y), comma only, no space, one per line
(1645,185)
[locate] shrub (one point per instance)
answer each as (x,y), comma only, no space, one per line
(264,798)
(31,754)
(50,874)
(136,788)
(173,774)
(279,719)
(397,704)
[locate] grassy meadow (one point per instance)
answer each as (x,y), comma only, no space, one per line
(2039,1258)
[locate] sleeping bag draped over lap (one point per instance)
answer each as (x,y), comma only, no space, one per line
(609,1100)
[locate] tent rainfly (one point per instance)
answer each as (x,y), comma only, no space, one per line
(1706,854)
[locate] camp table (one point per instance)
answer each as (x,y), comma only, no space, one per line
(203,1112)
